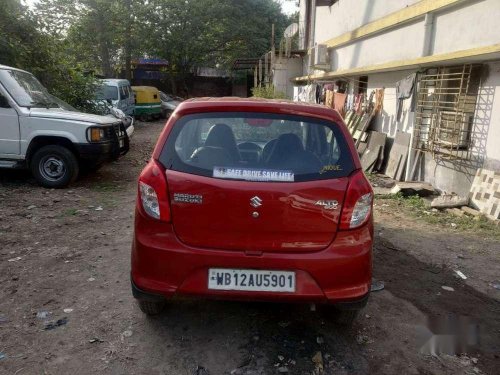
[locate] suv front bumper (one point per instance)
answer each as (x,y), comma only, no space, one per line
(98,153)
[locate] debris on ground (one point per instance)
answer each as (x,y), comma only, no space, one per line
(495,284)
(318,362)
(95,339)
(283,370)
(320,340)
(422,189)
(42,314)
(460,274)
(31,207)
(3,319)
(448,288)
(67,311)
(15,259)
(449,201)
(99,208)
(53,325)
(91,279)
(455,211)
(377,285)
(127,333)
(471,211)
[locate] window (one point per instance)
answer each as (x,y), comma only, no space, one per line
(304,148)
(124,92)
(107,92)
(363,85)
(444,117)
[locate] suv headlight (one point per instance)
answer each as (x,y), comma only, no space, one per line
(96,134)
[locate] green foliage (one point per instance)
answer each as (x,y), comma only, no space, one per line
(268,92)
(62,39)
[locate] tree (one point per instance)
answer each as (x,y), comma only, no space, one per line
(194,33)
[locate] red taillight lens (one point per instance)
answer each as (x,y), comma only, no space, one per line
(357,203)
(153,192)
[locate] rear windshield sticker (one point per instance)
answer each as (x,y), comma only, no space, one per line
(253,174)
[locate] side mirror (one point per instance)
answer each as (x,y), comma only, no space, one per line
(4,103)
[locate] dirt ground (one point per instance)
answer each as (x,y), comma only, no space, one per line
(66,305)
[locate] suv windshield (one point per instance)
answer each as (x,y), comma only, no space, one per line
(257,147)
(107,92)
(26,90)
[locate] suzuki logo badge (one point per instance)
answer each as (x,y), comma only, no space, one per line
(255,202)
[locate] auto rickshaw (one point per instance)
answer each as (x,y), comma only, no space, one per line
(147,102)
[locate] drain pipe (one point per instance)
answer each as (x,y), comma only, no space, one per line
(312,28)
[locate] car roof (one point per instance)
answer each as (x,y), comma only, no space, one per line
(12,68)
(116,80)
(235,104)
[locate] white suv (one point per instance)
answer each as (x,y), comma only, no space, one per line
(38,133)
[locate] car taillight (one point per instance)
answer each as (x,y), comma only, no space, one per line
(153,192)
(357,203)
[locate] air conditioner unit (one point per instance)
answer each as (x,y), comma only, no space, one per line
(454,129)
(319,57)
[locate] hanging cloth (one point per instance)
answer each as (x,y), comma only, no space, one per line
(358,103)
(404,90)
(329,99)
(379,100)
(339,102)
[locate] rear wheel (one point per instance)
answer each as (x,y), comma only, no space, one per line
(150,307)
(54,166)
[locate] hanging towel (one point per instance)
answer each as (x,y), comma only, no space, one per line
(329,99)
(404,90)
(339,102)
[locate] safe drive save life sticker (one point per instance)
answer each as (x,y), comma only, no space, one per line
(249,174)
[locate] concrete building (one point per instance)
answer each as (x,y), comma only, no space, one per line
(453,45)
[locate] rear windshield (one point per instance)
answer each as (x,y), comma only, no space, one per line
(257,147)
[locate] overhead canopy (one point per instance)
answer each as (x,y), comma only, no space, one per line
(245,63)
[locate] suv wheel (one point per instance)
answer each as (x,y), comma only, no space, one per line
(150,307)
(54,166)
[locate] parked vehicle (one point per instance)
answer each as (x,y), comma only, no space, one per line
(168,104)
(39,133)
(147,102)
(254,200)
(107,110)
(118,93)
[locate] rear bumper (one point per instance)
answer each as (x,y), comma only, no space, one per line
(163,266)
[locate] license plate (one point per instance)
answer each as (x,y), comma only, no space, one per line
(251,280)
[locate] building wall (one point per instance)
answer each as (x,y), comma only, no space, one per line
(347,15)
(469,24)
(488,113)
(284,70)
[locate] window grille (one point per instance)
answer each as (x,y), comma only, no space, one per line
(444,115)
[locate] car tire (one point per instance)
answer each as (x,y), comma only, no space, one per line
(54,166)
(345,317)
(151,307)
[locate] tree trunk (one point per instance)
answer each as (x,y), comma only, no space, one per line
(128,37)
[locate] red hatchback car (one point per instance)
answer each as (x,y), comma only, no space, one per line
(254,200)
